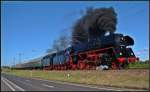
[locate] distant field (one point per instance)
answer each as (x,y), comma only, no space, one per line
(138,78)
(139,65)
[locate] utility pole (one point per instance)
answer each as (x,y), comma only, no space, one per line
(11,63)
(19,58)
(14,61)
(20,54)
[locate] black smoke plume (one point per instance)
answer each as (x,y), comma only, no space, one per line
(94,23)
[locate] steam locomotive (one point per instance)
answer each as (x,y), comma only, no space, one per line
(106,52)
(111,51)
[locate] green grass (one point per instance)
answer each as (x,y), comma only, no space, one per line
(139,65)
(122,78)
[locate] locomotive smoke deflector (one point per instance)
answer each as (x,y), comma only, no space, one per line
(128,40)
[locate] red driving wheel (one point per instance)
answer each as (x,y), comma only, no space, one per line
(113,66)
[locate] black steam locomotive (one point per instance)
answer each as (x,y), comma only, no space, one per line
(111,51)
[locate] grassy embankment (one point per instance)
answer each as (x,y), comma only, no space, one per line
(122,78)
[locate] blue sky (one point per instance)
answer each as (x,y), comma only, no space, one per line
(31,27)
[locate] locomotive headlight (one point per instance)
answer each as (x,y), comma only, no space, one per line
(122,38)
(120,53)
